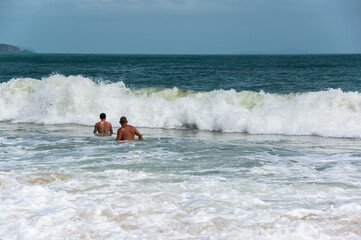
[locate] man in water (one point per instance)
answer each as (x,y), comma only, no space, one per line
(103,127)
(127,132)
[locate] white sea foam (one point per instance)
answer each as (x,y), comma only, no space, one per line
(59,99)
(67,184)
(114,205)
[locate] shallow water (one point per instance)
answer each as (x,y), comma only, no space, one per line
(62,182)
(235,147)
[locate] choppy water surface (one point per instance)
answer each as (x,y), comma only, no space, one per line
(235,147)
(60,181)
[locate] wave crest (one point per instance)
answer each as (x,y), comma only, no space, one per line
(59,99)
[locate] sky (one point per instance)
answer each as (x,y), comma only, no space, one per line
(182,26)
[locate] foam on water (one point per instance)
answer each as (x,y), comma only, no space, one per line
(61,182)
(58,99)
(121,204)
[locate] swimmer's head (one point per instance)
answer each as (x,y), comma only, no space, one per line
(103,116)
(123,120)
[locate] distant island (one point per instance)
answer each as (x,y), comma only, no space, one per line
(6,48)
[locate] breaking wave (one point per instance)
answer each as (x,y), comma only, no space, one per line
(59,99)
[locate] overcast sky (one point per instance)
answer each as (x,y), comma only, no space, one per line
(182,26)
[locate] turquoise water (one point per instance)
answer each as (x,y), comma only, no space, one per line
(270,73)
(235,147)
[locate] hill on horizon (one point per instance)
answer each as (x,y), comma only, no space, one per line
(6,48)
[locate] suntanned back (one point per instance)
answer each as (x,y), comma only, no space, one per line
(128,132)
(103,127)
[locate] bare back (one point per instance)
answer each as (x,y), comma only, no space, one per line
(103,127)
(128,132)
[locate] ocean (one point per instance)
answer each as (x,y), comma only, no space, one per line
(235,147)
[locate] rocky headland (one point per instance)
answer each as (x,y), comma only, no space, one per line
(6,48)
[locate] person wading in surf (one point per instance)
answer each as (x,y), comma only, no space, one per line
(127,132)
(103,127)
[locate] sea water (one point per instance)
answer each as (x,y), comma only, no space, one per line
(235,147)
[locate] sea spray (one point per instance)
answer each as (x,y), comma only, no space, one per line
(62,182)
(59,99)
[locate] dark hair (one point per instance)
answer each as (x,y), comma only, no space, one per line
(123,120)
(103,116)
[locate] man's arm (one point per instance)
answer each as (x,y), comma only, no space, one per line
(140,137)
(119,135)
(95,128)
(111,129)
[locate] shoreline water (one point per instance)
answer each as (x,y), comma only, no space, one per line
(64,182)
(274,153)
